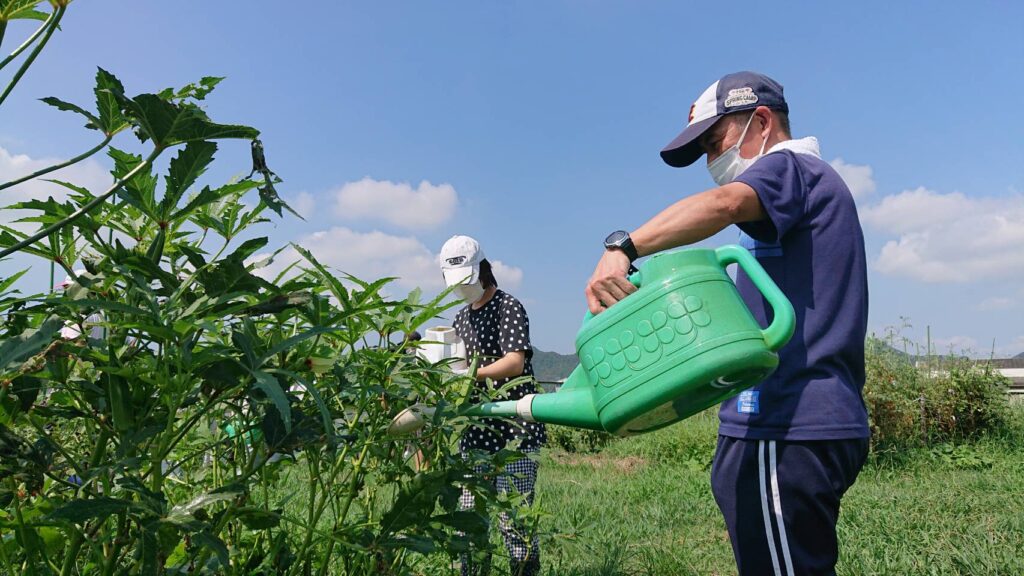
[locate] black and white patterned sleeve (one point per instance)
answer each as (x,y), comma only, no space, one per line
(515,327)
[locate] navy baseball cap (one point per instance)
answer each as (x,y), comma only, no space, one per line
(732,93)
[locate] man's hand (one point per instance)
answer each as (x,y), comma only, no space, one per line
(608,284)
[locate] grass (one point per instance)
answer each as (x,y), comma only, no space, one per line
(644,506)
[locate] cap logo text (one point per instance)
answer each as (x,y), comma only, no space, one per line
(740,97)
(456,261)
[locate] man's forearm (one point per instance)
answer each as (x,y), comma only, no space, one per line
(697,217)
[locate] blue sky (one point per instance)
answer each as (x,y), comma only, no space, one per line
(536,127)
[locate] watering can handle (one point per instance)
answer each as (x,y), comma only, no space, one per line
(784,321)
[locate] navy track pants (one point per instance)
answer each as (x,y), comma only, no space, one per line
(780,500)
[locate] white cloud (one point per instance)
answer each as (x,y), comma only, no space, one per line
(949,237)
(304,204)
(373,255)
(996,303)
(955,345)
(89,173)
(507,276)
(859,178)
(424,207)
(1015,347)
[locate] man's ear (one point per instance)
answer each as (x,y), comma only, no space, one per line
(764,120)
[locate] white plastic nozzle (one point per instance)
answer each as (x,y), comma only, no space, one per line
(410,420)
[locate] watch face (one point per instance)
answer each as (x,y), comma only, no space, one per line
(615,238)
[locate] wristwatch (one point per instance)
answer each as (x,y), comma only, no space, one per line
(620,240)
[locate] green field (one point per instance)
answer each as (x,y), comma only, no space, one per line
(644,506)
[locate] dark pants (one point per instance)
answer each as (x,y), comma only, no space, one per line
(523,546)
(780,500)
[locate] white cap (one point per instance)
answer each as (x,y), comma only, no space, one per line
(67,279)
(460,260)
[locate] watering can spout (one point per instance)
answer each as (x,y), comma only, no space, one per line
(572,405)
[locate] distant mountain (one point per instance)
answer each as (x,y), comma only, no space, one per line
(552,366)
(1020,356)
(877,346)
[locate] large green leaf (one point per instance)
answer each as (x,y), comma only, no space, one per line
(230,274)
(217,545)
(279,303)
(111,305)
(186,167)
(16,349)
(108,118)
(337,289)
(78,511)
(195,91)
(268,194)
(468,521)
(107,105)
(149,548)
(325,414)
(83,193)
(184,512)
(94,122)
(10,280)
(167,123)
(288,343)
(415,500)
(272,388)
(140,190)
(21,10)
(208,196)
(258,519)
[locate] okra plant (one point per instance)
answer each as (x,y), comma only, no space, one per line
(171,410)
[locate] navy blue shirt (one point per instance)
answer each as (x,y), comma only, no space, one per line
(812,246)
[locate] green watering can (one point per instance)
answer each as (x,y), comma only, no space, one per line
(682,342)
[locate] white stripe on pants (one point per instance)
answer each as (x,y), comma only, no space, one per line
(770,476)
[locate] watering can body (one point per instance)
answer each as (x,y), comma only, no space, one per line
(684,341)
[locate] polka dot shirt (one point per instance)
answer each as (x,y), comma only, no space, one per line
(498,327)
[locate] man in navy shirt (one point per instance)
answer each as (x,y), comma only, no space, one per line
(789,448)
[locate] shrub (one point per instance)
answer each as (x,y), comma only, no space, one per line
(573,440)
(934,400)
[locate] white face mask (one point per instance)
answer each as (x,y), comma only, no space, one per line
(730,164)
(470,292)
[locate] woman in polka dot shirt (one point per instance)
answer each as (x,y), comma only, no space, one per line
(496,331)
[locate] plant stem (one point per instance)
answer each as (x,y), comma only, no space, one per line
(54,24)
(81,211)
(56,167)
(3,556)
(43,433)
(353,491)
(69,558)
(21,525)
(115,548)
(28,42)
(100,451)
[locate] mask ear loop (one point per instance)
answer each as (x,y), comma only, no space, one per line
(743,137)
(765,143)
